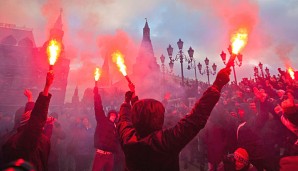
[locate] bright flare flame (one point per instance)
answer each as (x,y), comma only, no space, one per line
(119,60)
(96,74)
(53,51)
(291,72)
(239,40)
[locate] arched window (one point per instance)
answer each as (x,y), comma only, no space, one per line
(9,40)
(26,42)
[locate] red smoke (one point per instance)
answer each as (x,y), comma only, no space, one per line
(50,10)
(120,41)
(283,50)
(233,14)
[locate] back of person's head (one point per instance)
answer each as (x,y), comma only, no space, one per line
(291,113)
(147,116)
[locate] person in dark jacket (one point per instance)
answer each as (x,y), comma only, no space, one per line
(29,143)
(249,135)
(106,139)
(149,147)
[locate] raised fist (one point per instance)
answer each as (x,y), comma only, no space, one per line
(222,78)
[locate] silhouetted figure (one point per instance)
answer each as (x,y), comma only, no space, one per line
(149,147)
(106,139)
(29,142)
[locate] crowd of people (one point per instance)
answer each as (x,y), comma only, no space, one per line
(252,125)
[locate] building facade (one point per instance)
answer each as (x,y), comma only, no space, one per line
(24,66)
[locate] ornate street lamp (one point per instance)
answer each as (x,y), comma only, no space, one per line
(162,60)
(267,72)
(261,68)
(207,70)
(256,72)
(180,56)
(192,63)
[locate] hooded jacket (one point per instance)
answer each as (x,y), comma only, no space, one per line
(159,149)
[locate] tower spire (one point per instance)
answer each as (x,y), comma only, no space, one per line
(57,32)
(75,98)
(146,31)
(58,24)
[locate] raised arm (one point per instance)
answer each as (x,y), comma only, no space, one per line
(39,114)
(187,128)
(176,138)
(263,115)
(98,108)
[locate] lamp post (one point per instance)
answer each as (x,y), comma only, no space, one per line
(207,70)
(267,72)
(256,72)
(234,62)
(192,63)
(180,56)
(261,68)
(162,60)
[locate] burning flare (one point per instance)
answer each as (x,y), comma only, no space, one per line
(96,74)
(53,51)
(239,40)
(119,60)
(291,72)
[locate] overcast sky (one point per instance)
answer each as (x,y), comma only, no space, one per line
(92,26)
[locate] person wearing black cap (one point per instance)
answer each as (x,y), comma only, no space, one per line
(149,147)
(106,140)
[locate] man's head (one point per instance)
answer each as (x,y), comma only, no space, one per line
(112,115)
(252,105)
(147,116)
(241,158)
(85,122)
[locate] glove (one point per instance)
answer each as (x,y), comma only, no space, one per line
(128,96)
(222,78)
(95,90)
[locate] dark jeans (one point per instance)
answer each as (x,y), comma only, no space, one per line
(103,162)
(83,162)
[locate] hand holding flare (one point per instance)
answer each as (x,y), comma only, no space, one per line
(96,75)
(53,52)
(291,73)
(119,60)
(238,42)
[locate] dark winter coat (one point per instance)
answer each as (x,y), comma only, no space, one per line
(160,149)
(29,142)
(105,136)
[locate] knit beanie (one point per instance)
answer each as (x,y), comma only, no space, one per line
(241,155)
